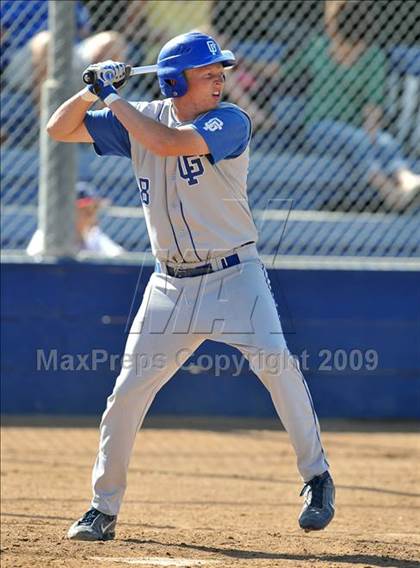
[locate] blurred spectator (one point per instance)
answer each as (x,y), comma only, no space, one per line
(146,24)
(167,16)
(89,236)
(25,39)
(345,78)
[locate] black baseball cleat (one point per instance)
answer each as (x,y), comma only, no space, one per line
(318,509)
(94,525)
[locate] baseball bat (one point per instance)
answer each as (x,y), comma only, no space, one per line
(90,76)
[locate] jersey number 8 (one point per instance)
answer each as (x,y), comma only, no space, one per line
(144,186)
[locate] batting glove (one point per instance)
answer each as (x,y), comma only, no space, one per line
(102,90)
(109,72)
(106,77)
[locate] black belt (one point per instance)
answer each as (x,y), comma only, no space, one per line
(179,272)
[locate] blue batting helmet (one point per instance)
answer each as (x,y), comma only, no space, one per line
(187,51)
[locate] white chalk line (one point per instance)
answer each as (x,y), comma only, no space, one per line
(157,561)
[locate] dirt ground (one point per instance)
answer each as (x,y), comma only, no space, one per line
(211,493)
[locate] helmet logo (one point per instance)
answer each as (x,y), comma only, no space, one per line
(213,124)
(212,47)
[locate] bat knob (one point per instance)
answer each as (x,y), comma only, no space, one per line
(89,77)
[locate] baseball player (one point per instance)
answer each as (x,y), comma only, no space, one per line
(190,156)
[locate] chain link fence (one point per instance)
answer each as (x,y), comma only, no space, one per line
(333,89)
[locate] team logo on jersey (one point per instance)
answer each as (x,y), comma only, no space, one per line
(212,47)
(213,124)
(190,169)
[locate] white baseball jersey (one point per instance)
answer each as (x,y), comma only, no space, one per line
(195,207)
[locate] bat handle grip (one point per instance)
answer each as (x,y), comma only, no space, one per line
(89,77)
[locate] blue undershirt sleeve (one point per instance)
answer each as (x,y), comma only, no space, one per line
(226,131)
(110,138)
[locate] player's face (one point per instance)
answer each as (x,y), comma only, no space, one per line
(205,86)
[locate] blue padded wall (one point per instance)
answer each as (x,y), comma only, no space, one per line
(79,307)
